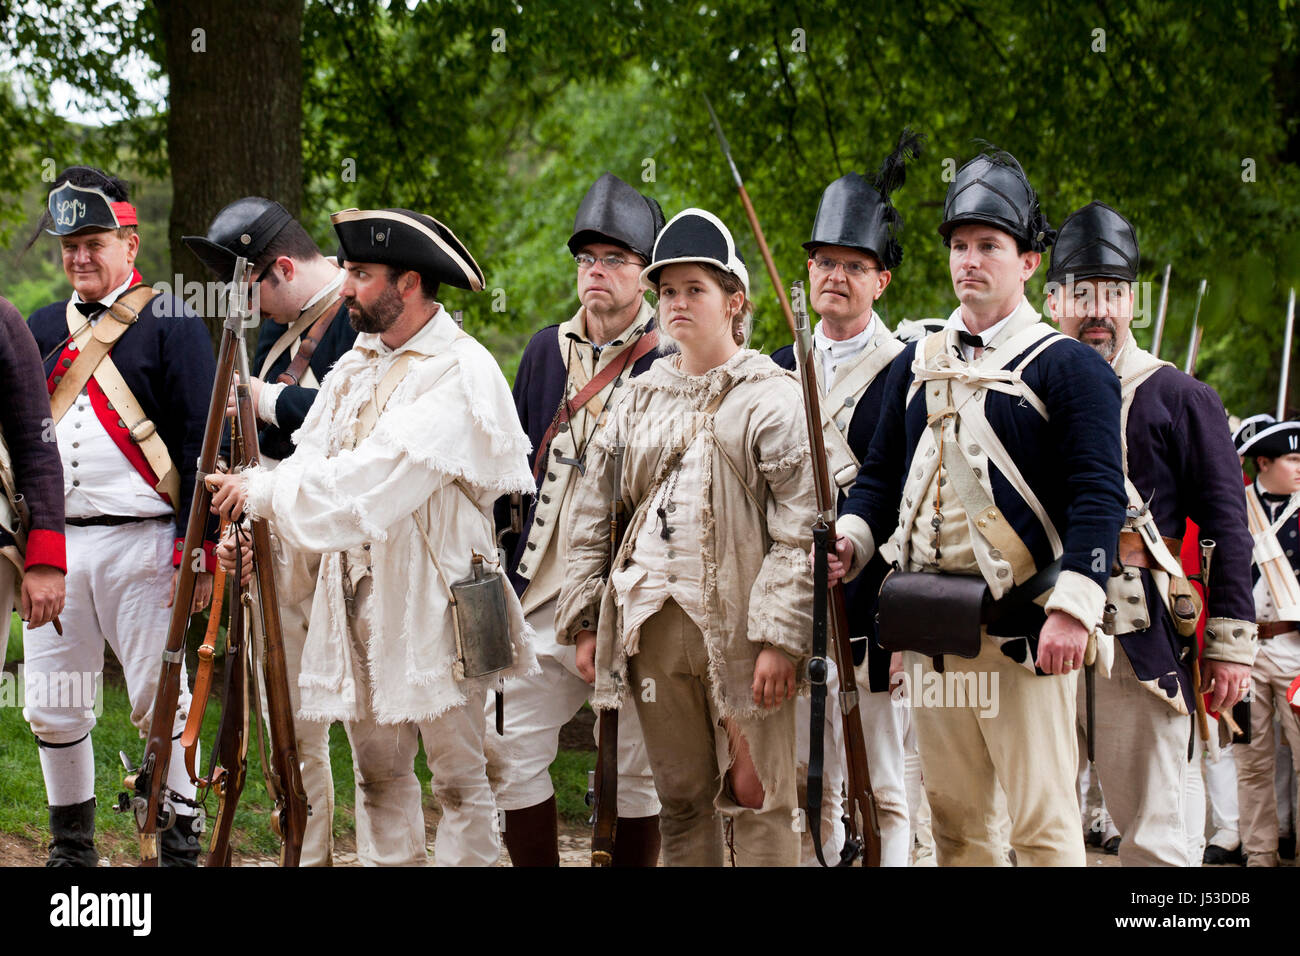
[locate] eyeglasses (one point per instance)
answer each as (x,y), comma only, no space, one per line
(586,260)
(855,270)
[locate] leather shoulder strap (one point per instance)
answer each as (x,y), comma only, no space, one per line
(321,322)
(591,390)
(95,344)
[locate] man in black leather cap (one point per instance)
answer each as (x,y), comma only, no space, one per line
(298,291)
(1003,438)
(1179,463)
(855,247)
(610,339)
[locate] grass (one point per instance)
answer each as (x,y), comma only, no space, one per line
(22,788)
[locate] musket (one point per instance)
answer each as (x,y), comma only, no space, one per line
(1286,358)
(1160,314)
(1194,343)
(604,782)
(283,771)
(146,784)
(861,804)
(1202,721)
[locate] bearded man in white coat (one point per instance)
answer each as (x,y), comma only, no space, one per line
(412,438)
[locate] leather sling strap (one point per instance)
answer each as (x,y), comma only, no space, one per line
(321,323)
(94,361)
(594,387)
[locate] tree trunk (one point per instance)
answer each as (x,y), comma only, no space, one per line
(234,125)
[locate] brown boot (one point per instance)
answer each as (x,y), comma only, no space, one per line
(532,835)
(636,841)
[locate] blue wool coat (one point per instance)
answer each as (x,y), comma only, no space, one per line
(1072,461)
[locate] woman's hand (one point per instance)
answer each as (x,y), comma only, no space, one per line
(586,643)
(773,678)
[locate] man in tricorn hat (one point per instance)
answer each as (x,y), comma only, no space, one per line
(298,291)
(855,247)
(1180,464)
(129,377)
(1271,501)
(1003,437)
(398,463)
(568,375)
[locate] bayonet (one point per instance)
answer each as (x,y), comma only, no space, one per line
(1286,358)
(1160,314)
(1194,343)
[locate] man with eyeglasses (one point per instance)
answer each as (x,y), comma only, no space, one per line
(569,374)
(852,252)
(298,291)
(129,371)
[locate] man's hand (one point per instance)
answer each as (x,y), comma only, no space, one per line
(1061,644)
(43,592)
(226,550)
(838,561)
(586,643)
(773,678)
(229,495)
(255,388)
(202,590)
(1226,683)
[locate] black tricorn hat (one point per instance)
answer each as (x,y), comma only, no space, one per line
(1095,242)
(243,228)
(612,211)
(993,190)
(1250,427)
(1272,442)
(857,213)
(406,240)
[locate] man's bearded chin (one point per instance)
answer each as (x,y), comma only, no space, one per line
(1105,347)
(380,317)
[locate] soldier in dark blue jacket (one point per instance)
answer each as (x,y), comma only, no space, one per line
(297,290)
(130,418)
(32,547)
(996,457)
(568,376)
(855,247)
(1180,464)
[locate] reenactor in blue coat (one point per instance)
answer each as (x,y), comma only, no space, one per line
(1272,501)
(130,377)
(855,247)
(570,374)
(993,482)
(297,290)
(1180,463)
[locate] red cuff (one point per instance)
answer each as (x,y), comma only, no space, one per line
(209,557)
(47,547)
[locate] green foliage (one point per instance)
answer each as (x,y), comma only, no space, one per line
(496,116)
(569,775)
(14,649)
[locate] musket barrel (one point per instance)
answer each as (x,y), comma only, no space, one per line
(1160,314)
(1286,358)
